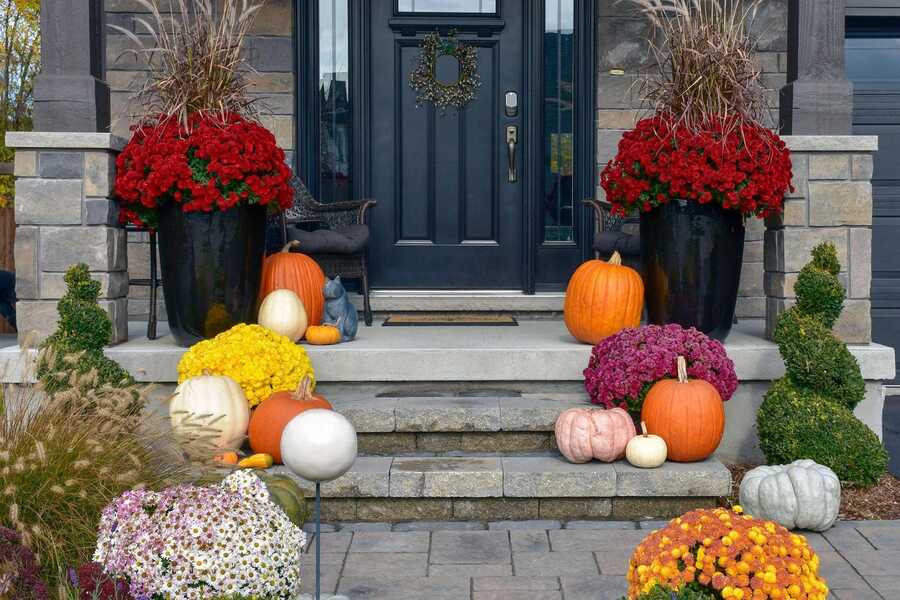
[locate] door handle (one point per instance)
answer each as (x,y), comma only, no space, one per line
(512,138)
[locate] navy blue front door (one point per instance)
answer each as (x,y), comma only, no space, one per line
(449,214)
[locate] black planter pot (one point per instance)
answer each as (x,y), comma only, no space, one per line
(691,256)
(211,266)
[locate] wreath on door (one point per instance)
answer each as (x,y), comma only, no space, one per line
(425,82)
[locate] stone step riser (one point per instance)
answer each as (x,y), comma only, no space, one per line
(397,510)
(445,443)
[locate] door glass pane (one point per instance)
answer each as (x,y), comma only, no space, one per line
(559,68)
(334,102)
(448,6)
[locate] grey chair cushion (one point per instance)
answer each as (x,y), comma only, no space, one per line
(607,242)
(346,240)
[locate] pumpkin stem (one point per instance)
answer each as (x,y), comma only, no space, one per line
(289,245)
(644,428)
(682,370)
(304,389)
(615,259)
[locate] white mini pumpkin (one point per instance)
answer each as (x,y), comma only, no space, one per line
(645,450)
(213,400)
(283,312)
(801,495)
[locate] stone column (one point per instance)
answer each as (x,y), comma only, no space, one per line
(832,202)
(69,92)
(817,99)
(65,214)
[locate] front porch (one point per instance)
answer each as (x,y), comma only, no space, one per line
(509,368)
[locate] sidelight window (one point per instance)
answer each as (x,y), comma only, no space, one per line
(335,115)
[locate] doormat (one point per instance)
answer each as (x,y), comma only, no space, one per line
(452,319)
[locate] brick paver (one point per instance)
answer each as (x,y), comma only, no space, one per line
(566,561)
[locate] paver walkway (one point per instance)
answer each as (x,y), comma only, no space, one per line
(546,560)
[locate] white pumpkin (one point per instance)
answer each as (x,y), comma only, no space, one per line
(801,495)
(282,311)
(216,401)
(646,451)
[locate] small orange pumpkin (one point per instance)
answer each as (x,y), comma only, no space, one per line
(275,412)
(603,298)
(323,335)
(299,273)
(687,413)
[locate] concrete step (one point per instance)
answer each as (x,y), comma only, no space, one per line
(448,425)
(403,488)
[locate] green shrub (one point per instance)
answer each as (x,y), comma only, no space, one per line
(83,331)
(819,294)
(795,423)
(824,256)
(691,591)
(816,359)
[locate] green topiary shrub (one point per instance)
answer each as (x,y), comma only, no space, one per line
(795,423)
(83,331)
(815,359)
(808,413)
(820,295)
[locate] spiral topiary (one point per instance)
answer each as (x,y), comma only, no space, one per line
(816,359)
(798,423)
(819,291)
(808,412)
(84,329)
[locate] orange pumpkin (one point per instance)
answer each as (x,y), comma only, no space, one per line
(603,298)
(687,413)
(323,335)
(275,412)
(297,272)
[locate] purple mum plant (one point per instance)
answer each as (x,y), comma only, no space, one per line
(19,573)
(624,366)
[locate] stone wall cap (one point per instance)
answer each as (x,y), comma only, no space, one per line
(831,143)
(67,140)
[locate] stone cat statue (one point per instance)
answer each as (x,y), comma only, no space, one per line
(339,311)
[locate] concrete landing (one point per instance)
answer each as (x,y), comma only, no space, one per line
(536,350)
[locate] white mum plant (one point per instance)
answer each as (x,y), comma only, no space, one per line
(190,542)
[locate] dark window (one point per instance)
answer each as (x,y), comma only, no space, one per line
(335,131)
(559,87)
(447,6)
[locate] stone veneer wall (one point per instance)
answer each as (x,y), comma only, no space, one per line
(620,34)
(65,215)
(832,202)
(270,52)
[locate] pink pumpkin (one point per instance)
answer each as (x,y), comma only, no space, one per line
(586,433)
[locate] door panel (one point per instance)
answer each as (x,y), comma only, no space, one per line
(447,216)
(873,64)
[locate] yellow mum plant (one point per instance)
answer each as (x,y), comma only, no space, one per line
(260,360)
(734,555)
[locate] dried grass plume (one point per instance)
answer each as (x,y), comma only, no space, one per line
(195,59)
(706,67)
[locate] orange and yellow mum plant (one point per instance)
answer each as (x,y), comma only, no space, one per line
(735,555)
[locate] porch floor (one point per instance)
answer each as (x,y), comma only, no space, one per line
(536,350)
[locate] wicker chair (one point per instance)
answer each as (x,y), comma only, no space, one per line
(609,236)
(347,257)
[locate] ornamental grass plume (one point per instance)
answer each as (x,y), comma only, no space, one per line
(706,65)
(64,457)
(194,58)
(624,366)
(733,555)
